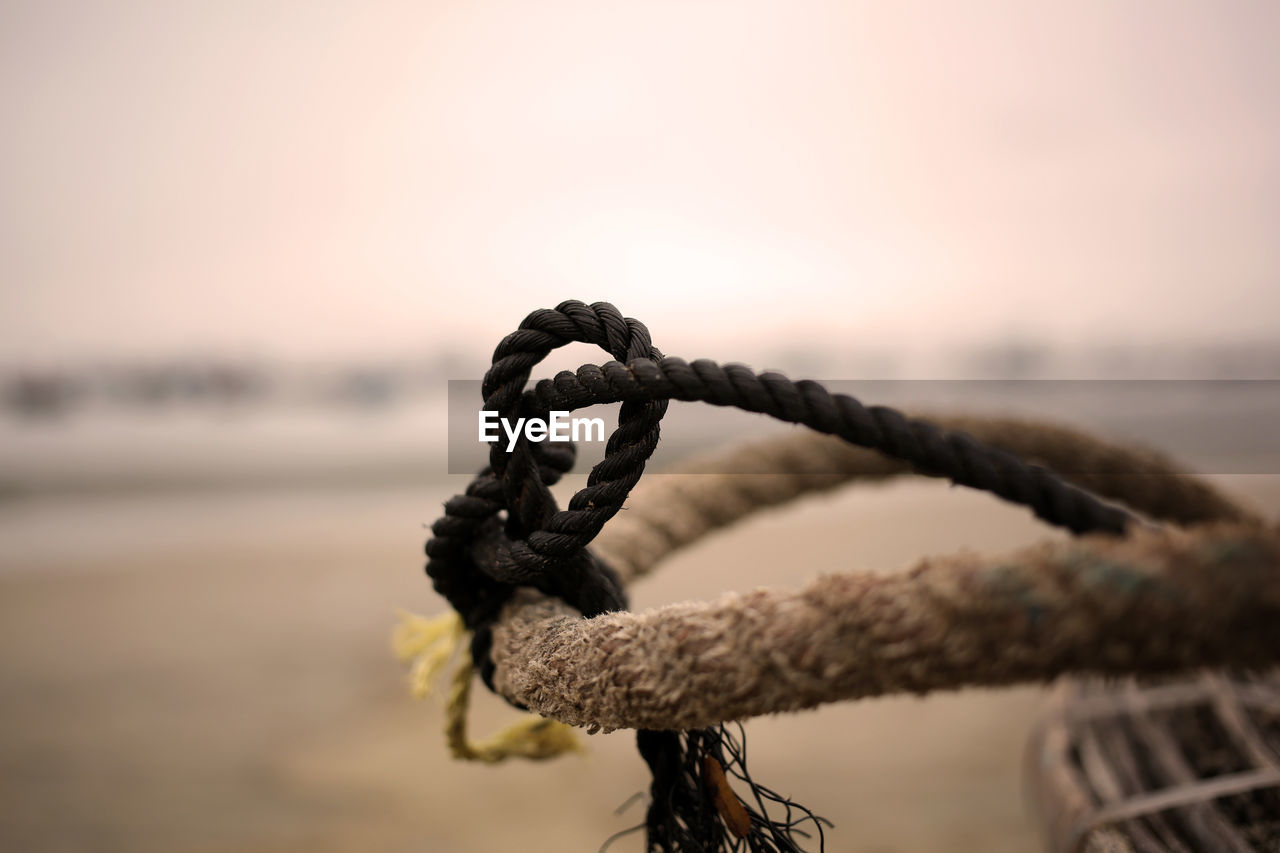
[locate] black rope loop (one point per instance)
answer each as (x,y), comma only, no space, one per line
(474,559)
(557,563)
(529,501)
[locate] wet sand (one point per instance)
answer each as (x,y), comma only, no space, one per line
(211,672)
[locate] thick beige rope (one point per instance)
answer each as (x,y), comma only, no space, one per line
(1155,602)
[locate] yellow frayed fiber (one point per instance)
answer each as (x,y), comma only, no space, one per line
(430,645)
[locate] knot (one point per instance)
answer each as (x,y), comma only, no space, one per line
(581,579)
(526,497)
(507,530)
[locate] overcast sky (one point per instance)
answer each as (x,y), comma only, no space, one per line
(312,179)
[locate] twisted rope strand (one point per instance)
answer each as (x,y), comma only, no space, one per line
(518,481)
(928,448)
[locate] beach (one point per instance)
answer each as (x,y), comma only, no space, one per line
(210,671)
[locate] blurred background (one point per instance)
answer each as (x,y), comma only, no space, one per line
(245,245)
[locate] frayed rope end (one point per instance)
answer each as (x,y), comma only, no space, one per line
(429,645)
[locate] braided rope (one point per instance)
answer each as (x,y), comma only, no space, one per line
(518,480)
(927,447)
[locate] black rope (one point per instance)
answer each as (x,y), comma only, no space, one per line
(930,449)
(517,481)
(683,813)
(477,556)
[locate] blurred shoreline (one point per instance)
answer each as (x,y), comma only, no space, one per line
(371,426)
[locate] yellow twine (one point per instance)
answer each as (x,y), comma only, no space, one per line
(430,645)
